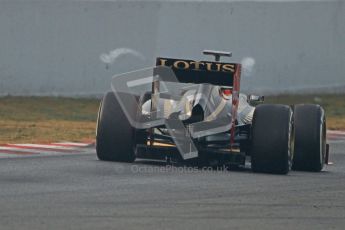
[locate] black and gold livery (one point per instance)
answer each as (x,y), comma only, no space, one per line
(274,137)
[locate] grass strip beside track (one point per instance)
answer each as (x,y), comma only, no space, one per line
(47,119)
(52,119)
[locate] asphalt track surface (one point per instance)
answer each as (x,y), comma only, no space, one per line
(80,192)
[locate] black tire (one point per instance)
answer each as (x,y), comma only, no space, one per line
(114,135)
(272,139)
(310,139)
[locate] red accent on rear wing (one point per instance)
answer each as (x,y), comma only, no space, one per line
(235,102)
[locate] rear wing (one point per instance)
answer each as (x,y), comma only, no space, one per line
(200,72)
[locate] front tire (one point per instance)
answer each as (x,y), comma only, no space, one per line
(310,140)
(272,139)
(114,135)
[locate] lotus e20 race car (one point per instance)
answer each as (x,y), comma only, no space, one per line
(193,111)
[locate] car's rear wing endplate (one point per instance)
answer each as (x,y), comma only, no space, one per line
(199,72)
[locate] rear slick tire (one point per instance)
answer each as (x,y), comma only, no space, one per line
(272,139)
(114,134)
(310,140)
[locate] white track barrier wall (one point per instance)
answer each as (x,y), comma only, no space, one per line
(73,48)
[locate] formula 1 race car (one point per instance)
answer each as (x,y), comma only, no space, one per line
(193,111)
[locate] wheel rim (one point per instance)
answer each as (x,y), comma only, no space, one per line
(291,141)
(322,141)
